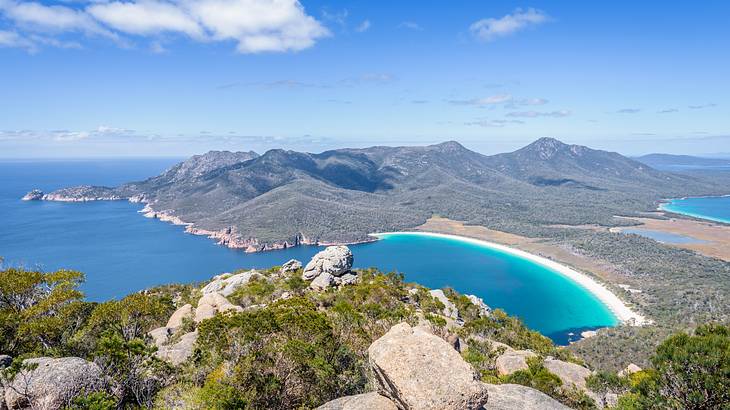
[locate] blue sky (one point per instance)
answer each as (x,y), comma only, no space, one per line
(161,77)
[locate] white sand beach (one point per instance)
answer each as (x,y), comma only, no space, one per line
(622,312)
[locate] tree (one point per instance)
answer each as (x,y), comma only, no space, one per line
(39,311)
(690,372)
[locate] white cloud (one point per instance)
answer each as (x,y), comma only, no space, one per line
(363,27)
(14,40)
(146,17)
(491,28)
(255,25)
(535,114)
(410,25)
(39,17)
(491,100)
(494,123)
(701,106)
(259,25)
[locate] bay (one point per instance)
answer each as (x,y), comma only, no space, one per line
(120,251)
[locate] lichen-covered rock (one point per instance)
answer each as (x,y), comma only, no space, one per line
(212,303)
(513,360)
(177,318)
(484,310)
(160,335)
(178,352)
(450,309)
(335,260)
(517,397)
(290,266)
(366,401)
(571,374)
(322,282)
(629,370)
(346,279)
(418,370)
(53,383)
(225,284)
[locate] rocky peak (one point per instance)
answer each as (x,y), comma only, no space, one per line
(546,148)
(449,146)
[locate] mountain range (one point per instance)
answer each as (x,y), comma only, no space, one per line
(284,198)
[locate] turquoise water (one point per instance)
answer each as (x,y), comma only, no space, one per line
(121,251)
(713,208)
(663,237)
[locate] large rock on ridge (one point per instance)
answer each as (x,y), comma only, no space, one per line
(53,383)
(418,370)
(335,260)
(365,401)
(518,397)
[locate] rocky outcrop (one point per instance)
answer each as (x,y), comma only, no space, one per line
(226,283)
(571,374)
(418,370)
(177,318)
(212,303)
(518,397)
(330,267)
(450,309)
(366,401)
(291,265)
(322,281)
(178,352)
(335,260)
(484,309)
(629,370)
(513,360)
(52,383)
(34,195)
(84,193)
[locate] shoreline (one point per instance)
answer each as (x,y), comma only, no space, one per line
(668,202)
(622,313)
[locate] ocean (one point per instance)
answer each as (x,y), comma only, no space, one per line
(713,208)
(120,251)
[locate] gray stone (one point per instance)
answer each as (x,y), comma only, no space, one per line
(177,318)
(484,310)
(517,397)
(212,303)
(290,266)
(450,309)
(346,279)
(34,195)
(226,284)
(366,401)
(53,383)
(418,370)
(335,260)
(180,351)
(160,335)
(513,360)
(323,281)
(629,370)
(571,374)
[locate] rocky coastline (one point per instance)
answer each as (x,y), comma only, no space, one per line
(228,237)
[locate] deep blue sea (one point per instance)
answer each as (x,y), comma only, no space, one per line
(713,208)
(120,251)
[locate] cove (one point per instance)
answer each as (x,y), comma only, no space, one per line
(712,208)
(121,252)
